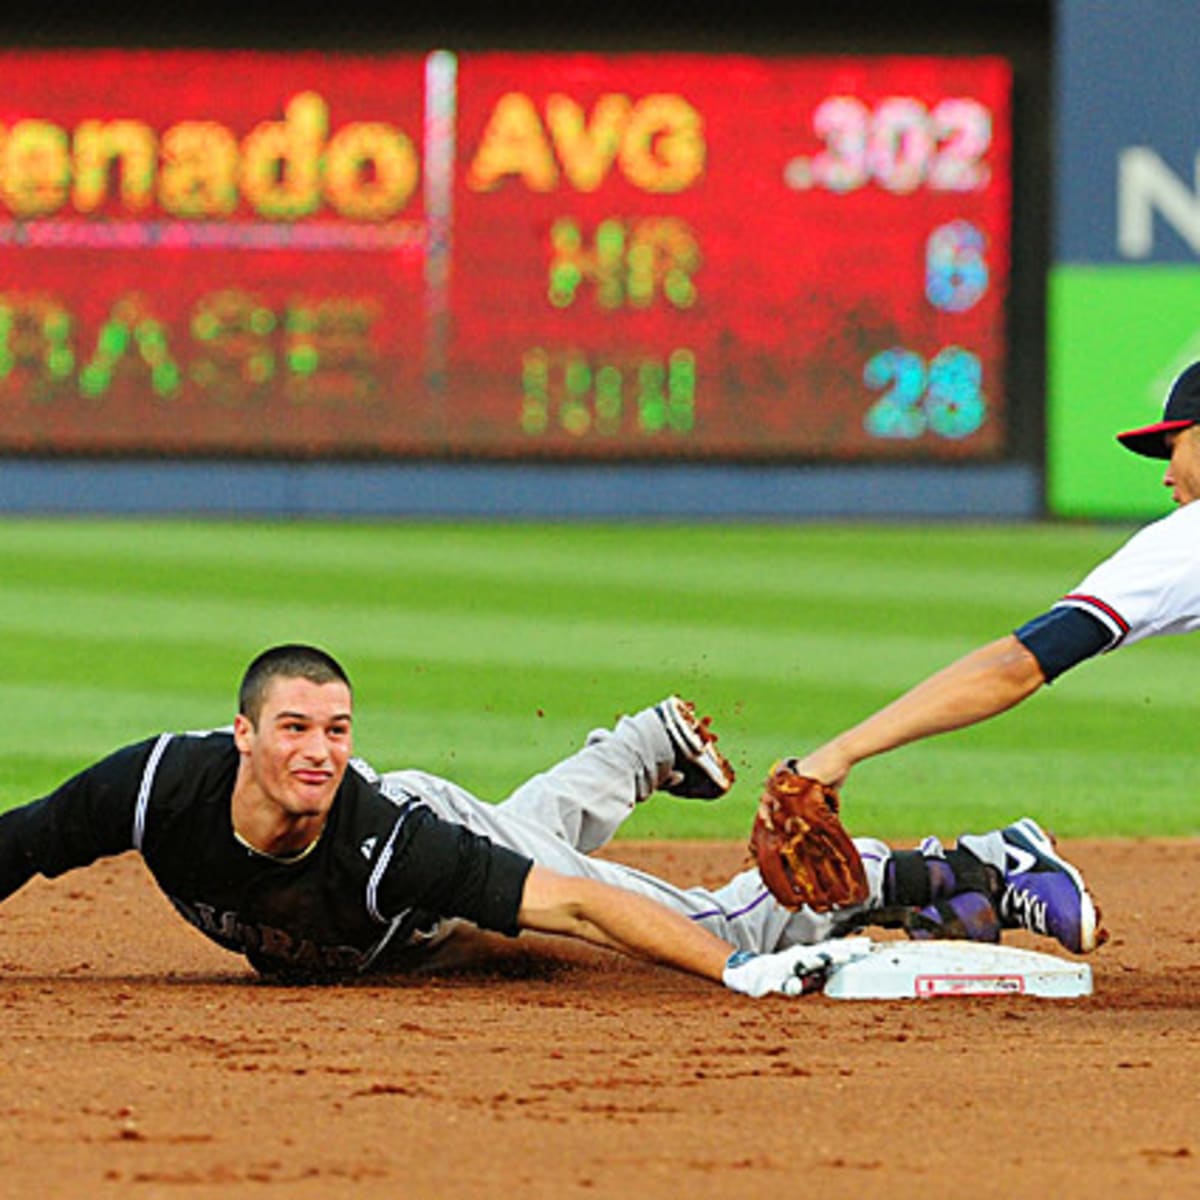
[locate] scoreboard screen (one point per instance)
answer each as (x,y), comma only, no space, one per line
(600,256)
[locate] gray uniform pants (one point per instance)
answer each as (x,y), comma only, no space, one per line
(560,816)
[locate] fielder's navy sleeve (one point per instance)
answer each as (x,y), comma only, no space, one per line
(88,817)
(1063,637)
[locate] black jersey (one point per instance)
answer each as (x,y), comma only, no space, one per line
(382,870)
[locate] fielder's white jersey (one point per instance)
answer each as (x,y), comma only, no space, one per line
(1151,585)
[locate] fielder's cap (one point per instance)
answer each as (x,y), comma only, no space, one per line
(1181,411)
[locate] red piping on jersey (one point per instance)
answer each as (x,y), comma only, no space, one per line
(1106,609)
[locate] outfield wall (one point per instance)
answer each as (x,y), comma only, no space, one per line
(1124,289)
(543,491)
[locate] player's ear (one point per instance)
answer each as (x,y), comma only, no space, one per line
(243,733)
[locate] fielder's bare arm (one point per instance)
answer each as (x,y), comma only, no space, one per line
(1149,588)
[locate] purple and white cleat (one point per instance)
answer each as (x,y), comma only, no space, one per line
(1044,893)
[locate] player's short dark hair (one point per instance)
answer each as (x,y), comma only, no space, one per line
(293,661)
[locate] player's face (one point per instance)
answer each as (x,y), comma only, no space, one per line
(298,752)
(1183,471)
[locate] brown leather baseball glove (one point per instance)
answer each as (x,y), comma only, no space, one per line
(804,853)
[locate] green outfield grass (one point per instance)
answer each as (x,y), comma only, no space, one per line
(484,652)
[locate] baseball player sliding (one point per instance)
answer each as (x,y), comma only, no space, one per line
(275,842)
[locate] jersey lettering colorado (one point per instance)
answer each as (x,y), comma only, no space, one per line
(1151,585)
(382,870)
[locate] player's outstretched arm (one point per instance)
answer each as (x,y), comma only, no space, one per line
(635,925)
(980,685)
(619,920)
(86,818)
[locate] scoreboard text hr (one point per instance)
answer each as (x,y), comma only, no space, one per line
(504,254)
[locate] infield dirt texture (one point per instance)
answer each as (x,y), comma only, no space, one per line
(140,1061)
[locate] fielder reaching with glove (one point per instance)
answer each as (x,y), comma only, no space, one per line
(1149,588)
(273,841)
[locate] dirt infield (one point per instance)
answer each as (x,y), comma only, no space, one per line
(139,1060)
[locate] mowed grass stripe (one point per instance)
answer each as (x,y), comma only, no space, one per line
(816,563)
(140,628)
(392,610)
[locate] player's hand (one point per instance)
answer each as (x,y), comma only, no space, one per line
(790,972)
(826,763)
